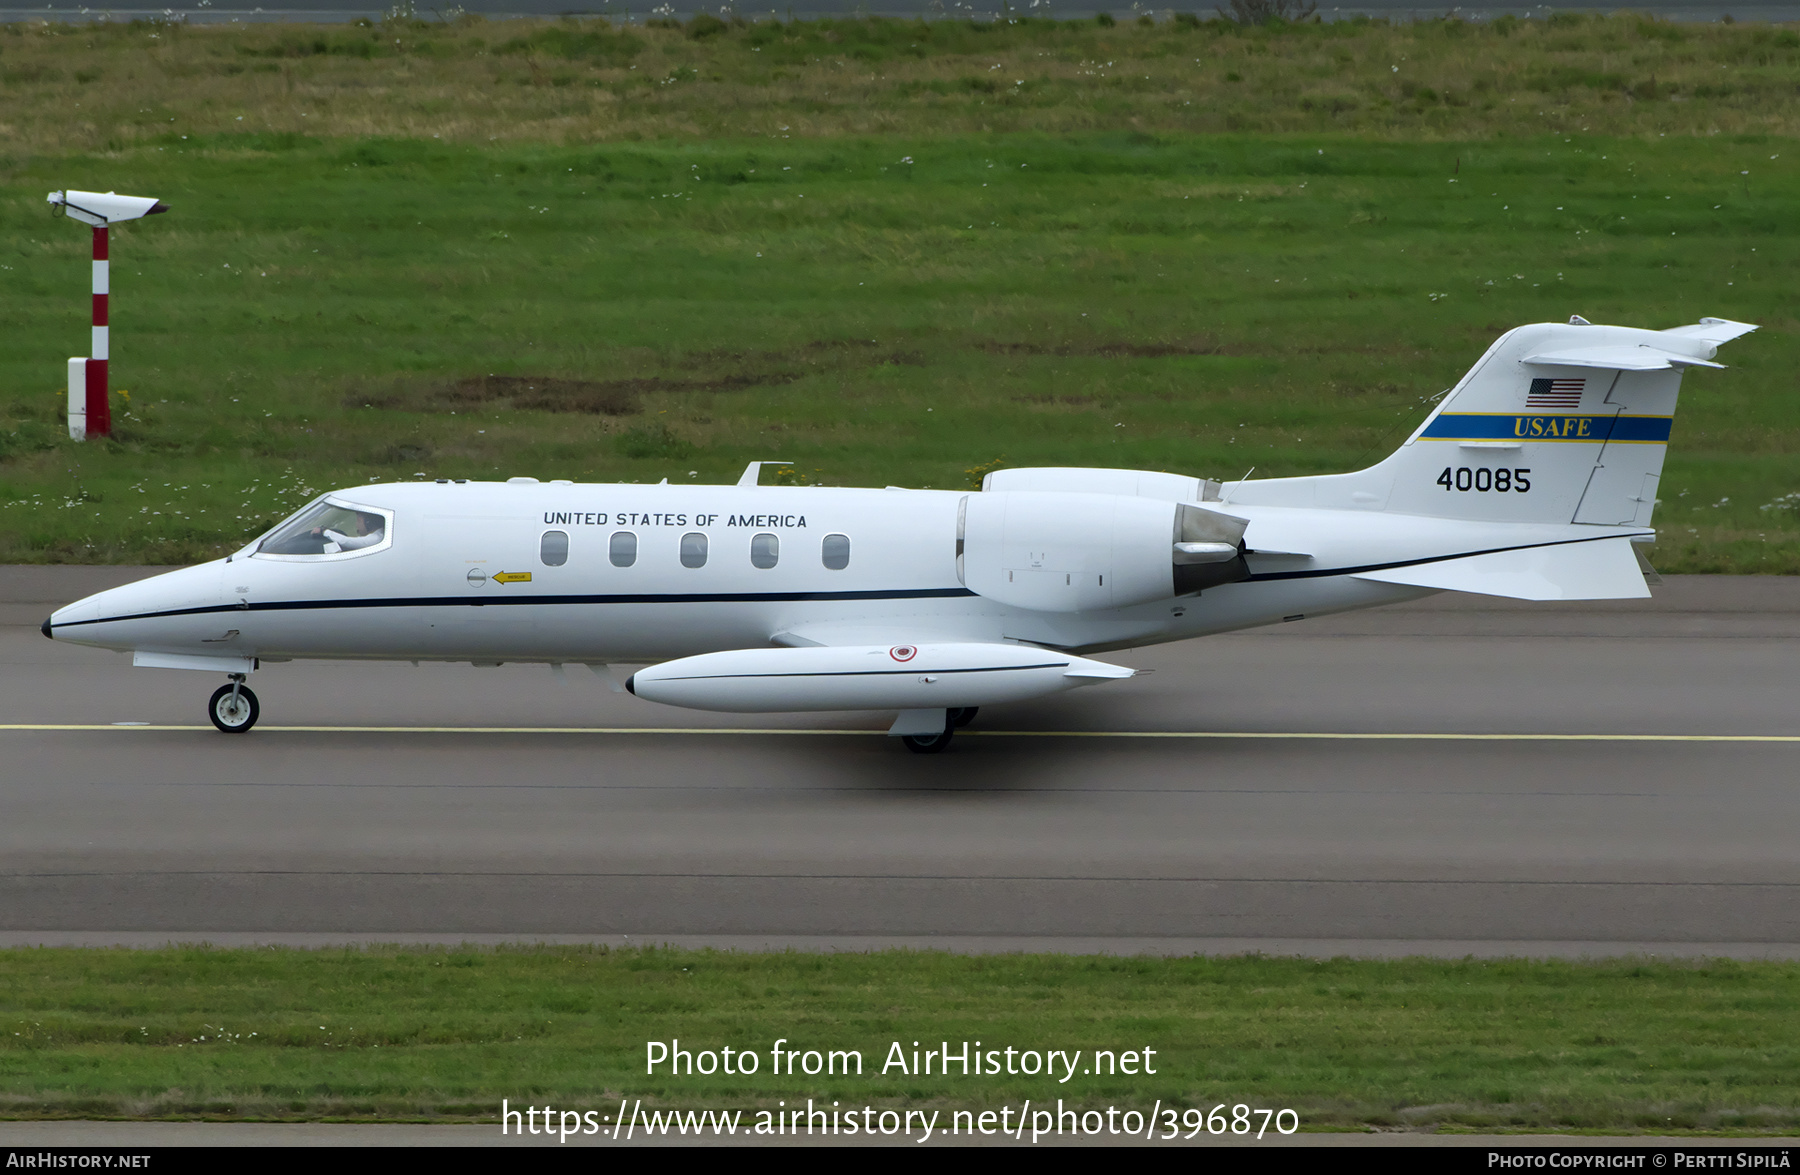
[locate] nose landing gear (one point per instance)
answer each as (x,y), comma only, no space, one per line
(233,708)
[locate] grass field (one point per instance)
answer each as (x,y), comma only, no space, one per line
(102,89)
(432,1034)
(450,269)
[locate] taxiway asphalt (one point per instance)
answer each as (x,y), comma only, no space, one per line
(1174,811)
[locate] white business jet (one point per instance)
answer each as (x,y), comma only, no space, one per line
(1533,478)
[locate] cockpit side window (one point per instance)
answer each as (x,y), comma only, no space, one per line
(327,528)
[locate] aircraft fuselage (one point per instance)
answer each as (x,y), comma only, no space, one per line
(463,577)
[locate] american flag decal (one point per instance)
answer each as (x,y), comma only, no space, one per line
(1555,395)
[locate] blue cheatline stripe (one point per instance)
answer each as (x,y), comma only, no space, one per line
(1541,426)
(497,600)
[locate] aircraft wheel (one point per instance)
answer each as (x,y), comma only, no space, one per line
(233,715)
(964,716)
(928,744)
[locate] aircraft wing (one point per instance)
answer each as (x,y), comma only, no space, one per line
(973,648)
(1595,569)
(841,635)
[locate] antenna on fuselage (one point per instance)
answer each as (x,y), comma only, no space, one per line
(1240,481)
(753,473)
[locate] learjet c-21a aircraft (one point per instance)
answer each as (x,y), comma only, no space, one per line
(1533,478)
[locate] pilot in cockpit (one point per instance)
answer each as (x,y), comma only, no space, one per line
(326,529)
(368,531)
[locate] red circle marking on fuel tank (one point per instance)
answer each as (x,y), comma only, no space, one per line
(903,652)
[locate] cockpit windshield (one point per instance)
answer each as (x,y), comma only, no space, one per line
(327,528)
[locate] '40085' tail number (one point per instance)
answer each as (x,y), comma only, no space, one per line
(1484,480)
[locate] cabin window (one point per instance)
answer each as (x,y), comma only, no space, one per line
(835,552)
(329,528)
(553,548)
(693,549)
(622,548)
(765,551)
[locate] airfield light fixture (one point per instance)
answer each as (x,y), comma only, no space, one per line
(89,412)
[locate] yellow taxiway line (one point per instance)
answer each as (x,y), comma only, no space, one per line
(1369,736)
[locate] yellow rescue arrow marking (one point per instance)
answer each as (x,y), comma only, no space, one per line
(512,577)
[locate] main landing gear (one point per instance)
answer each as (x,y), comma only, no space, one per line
(931,744)
(233,708)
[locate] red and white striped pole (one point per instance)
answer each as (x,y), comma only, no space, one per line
(99,411)
(90,411)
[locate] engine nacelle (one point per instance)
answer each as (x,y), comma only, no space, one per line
(1063,552)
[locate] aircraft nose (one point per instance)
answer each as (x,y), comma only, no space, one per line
(124,617)
(45,629)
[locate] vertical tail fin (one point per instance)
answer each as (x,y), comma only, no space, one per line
(1555,424)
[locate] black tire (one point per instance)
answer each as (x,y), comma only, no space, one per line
(964,716)
(221,712)
(928,744)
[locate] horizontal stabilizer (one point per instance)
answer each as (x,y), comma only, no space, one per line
(1603,569)
(1618,358)
(1711,330)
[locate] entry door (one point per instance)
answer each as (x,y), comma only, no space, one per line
(474,580)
